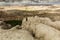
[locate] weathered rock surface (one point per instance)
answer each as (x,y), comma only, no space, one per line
(49,18)
(15,35)
(41,30)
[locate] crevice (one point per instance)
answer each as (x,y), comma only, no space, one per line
(11,23)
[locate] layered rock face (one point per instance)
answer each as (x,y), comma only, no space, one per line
(38,23)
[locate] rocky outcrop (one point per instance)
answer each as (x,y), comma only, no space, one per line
(40,28)
(15,35)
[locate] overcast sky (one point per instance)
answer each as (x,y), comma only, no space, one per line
(21,2)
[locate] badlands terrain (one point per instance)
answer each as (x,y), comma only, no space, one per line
(36,22)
